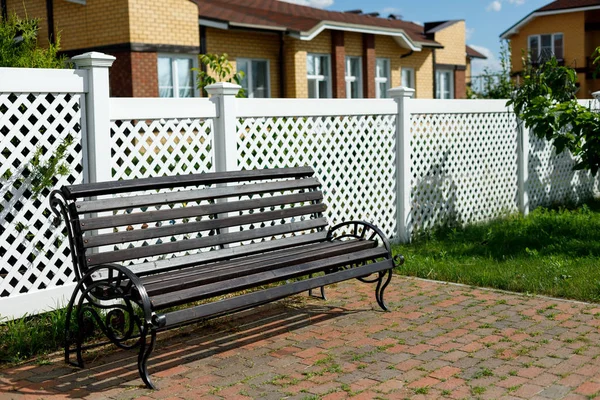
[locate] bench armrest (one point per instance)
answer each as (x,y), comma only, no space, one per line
(359,230)
(118,275)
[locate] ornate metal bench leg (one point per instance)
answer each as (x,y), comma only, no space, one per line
(145,350)
(69,336)
(322,288)
(382,282)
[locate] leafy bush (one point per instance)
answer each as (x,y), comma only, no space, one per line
(19,45)
(217,68)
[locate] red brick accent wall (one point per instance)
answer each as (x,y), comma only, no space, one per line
(120,75)
(368,66)
(460,84)
(144,74)
(338,67)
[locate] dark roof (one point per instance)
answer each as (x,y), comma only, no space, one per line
(557,6)
(275,14)
(566,4)
(433,27)
(472,53)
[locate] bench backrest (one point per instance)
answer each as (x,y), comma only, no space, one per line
(165,223)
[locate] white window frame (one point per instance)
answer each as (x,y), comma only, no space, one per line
(382,79)
(174,76)
(412,76)
(249,75)
(539,39)
(314,79)
(438,83)
(350,79)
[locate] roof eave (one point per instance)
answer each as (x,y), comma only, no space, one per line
(399,34)
(513,30)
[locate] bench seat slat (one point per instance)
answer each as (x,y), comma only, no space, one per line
(209,241)
(250,300)
(91,224)
(175,298)
(229,270)
(263,256)
(151,268)
(154,199)
(211,178)
(190,227)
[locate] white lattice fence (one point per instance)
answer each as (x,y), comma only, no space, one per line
(33,254)
(353,156)
(552,179)
(464,167)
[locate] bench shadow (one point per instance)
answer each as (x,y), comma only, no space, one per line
(109,368)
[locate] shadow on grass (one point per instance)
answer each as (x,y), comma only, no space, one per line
(566,232)
(107,368)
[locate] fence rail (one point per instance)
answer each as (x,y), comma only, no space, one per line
(403,163)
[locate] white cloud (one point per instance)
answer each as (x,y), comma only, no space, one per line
(469,32)
(390,10)
(492,63)
(311,3)
(517,2)
(494,6)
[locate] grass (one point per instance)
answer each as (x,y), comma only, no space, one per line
(552,252)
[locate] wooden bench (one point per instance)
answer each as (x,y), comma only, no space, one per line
(157,253)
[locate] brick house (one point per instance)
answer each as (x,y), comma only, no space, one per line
(567,29)
(286,50)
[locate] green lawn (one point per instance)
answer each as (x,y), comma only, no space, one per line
(551,252)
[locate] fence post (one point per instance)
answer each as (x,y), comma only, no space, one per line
(523,167)
(401,96)
(225,142)
(96,136)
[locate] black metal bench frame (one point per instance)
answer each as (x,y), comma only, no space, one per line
(117,298)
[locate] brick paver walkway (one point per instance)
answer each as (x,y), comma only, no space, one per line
(439,341)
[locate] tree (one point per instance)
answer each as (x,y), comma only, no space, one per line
(497,85)
(217,68)
(547,104)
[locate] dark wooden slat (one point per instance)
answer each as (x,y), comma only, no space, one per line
(164,182)
(193,244)
(171,264)
(262,278)
(250,300)
(190,227)
(262,256)
(155,199)
(224,271)
(196,211)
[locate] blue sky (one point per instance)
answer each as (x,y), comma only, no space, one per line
(486,19)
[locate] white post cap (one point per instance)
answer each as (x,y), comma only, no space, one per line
(596,95)
(401,91)
(223,88)
(93,59)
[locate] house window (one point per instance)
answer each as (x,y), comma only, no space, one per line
(318,73)
(408,77)
(444,84)
(256,77)
(543,47)
(382,77)
(353,77)
(175,76)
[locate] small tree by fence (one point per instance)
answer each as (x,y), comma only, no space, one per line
(405,164)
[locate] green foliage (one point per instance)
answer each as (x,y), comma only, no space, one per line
(546,102)
(217,69)
(44,173)
(552,252)
(497,85)
(19,46)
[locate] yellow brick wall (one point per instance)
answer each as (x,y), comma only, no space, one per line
(32,9)
(171,22)
(98,23)
(571,25)
(468,71)
(453,40)
(353,42)
(320,44)
(292,67)
(421,61)
(247,45)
